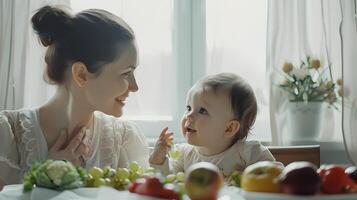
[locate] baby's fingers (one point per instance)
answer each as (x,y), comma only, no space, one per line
(163,132)
(170,139)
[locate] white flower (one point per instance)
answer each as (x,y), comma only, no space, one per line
(300,74)
(57,169)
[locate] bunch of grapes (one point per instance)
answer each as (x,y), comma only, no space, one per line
(176,182)
(117,178)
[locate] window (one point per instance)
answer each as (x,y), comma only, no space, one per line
(182,40)
(236,42)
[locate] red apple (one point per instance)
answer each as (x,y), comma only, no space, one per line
(300,178)
(203,181)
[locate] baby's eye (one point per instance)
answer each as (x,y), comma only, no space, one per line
(202,111)
(188,108)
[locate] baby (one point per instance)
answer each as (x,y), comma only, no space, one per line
(220,112)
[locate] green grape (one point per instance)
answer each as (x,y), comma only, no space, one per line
(235,178)
(96,172)
(174,154)
(111,173)
(180,176)
(134,166)
(170,178)
(121,184)
(181,188)
(90,181)
(150,169)
(122,173)
(106,170)
(109,182)
(147,174)
(99,182)
(133,176)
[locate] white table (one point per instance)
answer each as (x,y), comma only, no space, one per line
(15,192)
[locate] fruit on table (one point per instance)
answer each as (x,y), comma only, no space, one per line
(203,181)
(352,172)
(334,179)
(151,186)
(235,178)
(96,172)
(261,177)
(300,178)
(117,178)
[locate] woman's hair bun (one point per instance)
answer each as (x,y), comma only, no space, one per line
(51,24)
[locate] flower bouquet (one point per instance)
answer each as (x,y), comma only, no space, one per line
(306,83)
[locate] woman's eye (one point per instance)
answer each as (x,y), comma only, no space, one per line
(126,74)
(202,111)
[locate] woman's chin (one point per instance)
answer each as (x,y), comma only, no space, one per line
(114,113)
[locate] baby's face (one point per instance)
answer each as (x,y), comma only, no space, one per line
(206,117)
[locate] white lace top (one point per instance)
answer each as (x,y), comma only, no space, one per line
(116,143)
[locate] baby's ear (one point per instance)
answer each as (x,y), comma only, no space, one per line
(232,128)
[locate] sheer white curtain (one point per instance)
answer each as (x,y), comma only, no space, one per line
(236,38)
(296,29)
(21,57)
(349,58)
(36,90)
(13,32)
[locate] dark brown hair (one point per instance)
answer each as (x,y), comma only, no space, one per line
(242,98)
(94,37)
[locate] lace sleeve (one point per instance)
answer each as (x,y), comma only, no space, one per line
(134,146)
(9,157)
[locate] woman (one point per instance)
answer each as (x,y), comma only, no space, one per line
(91,57)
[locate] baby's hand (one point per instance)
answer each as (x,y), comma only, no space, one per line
(162,147)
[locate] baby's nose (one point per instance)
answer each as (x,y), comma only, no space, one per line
(190,118)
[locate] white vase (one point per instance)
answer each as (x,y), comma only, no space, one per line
(304,120)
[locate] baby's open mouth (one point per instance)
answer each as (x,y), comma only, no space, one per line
(190,130)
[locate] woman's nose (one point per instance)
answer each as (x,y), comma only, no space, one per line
(133,86)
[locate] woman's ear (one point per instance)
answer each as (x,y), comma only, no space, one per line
(232,128)
(80,73)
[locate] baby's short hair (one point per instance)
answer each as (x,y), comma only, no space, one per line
(243,101)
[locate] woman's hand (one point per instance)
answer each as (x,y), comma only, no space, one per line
(76,150)
(162,147)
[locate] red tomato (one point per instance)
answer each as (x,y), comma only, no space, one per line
(133,186)
(333,179)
